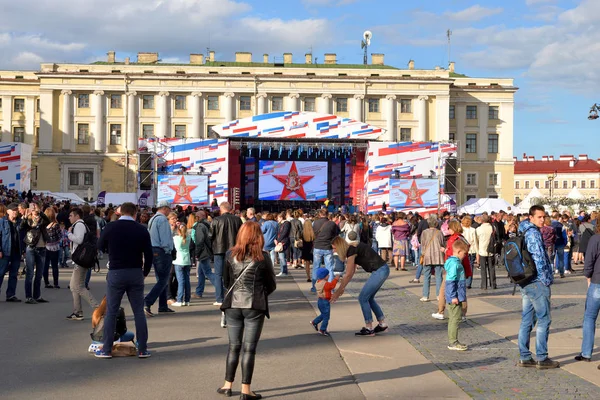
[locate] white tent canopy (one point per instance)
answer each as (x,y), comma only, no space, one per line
(479,206)
(120,198)
(527,202)
(71,197)
(575,194)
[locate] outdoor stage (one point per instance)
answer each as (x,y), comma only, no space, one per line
(298,160)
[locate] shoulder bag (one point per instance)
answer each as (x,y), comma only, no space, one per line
(86,254)
(422,258)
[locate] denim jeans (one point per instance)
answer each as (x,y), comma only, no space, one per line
(11,265)
(204,271)
(559,263)
(472,258)
(219,264)
(323,318)
(296,253)
(35,257)
(366,298)
(63,256)
(51,260)
(592,306)
(567,260)
(339,265)
(88,277)
(427,279)
(119,282)
(325,256)
(417,255)
(183,283)
(162,262)
(536,308)
(375,245)
(244,327)
(272,254)
(282,263)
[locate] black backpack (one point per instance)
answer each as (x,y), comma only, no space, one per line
(86,254)
(518,261)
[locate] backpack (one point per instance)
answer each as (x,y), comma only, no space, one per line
(86,254)
(518,261)
(493,244)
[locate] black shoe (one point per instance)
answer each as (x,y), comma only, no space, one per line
(56,287)
(244,396)
(148,312)
(547,364)
(13,299)
(365,332)
(30,300)
(582,358)
(166,311)
(316,326)
(379,328)
(562,275)
(41,300)
(226,392)
(75,317)
(49,286)
(527,363)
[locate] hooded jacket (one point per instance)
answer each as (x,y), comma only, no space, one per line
(383,235)
(535,246)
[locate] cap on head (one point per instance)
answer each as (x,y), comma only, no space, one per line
(163,203)
(322,273)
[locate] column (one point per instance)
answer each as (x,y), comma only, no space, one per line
(196,111)
(46,115)
(132,121)
(482,140)
(422,117)
(391,125)
(442,115)
(357,108)
(29,121)
(68,140)
(292,101)
(163,130)
(507,111)
(325,103)
(261,103)
(7,111)
(99,131)
(227,111)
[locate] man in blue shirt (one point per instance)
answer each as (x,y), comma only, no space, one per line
(162,246)
(536,295)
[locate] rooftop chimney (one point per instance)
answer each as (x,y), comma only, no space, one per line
(308,58)
(330,58)
(571,163)
(583,157)
(524,156)
(126,60)
(514,159)
(242,56)
(287,58)
(566,158)
(451,66)
(411,64)
(550,158)
(111,57)
(147,58)
(544,158)
(377,59)
(266,58)
(211,56)
(531,158)
(196,59)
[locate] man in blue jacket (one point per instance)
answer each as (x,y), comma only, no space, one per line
(559,244)
(536,295)
(10,251)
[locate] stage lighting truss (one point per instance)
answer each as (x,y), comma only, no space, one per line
(327,149)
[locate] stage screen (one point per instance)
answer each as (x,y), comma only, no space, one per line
(411,193)
(183,189)
(292,180)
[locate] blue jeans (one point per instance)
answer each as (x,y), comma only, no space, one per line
(296,253)
(592,306)
(11,265)
(272,254)
(119,282)
(162,262)
(536,308)
(219,263)
(63,256)
(282,263)
(183,283)
(325,256)
(366,298)
(375,245)
(339,265)
(559,263)
(427,279)
(88,276)
(51,260)
(204,272)
(35,257)
(567,260)
(472,258)
(323,318)
(417,255)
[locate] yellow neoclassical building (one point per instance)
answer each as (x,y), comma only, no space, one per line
(84,120)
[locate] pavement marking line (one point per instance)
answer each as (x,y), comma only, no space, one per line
(365,354)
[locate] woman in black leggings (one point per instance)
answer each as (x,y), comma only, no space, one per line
(249,278)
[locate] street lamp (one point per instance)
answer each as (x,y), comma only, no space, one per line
(551,178)
(594,112)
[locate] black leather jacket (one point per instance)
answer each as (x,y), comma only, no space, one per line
(251,291)
(223,232)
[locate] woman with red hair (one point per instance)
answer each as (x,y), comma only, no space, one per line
(249,278)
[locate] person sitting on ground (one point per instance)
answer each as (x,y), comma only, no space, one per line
(121,333)
(324,289)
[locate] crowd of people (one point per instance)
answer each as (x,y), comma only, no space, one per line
(245,248)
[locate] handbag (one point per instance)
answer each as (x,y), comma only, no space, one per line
(298,243)
(422,258)
(279,247)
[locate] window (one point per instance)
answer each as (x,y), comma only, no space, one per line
(517,185)
(592,184)
(37,136)
(0,104)
(471,112)
(147,131)
(245,103)
(471,179)
(573,184)
(517,200)
(452,136)
(493,196)
(309,104)
(37,105)
(18,134)
(19,105)
(493,112)
(405,134)
(526,184)
(471,196)
(373,105)
(471,143)
(277,103)
(565,185)
(180,131)
(83,134)
(547,185)
(536,184)
(406,106)
(493,143)
(341,104)
(583,184)
(555,184)
(148,102)
(115,101)
(492,179)
(115,134)
(213,102)
(88,178)
(180,102)
(83,100)
(451,113)
(209,130)
(73,178)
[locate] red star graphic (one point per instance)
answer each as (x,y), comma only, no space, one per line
(292,182)
(414,194)
(182,191)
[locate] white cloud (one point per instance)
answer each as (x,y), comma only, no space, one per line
(536,2)
(473,13)
(26,59)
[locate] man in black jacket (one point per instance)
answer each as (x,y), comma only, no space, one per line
(203,253)
(127,242)
(223,233)
(325,232)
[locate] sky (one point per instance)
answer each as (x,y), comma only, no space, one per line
(550,47)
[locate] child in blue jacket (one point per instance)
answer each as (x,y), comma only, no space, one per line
(456,292)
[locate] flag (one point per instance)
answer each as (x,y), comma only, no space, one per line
(100,200)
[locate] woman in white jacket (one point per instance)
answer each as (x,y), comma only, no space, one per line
(384,239)
(471,236)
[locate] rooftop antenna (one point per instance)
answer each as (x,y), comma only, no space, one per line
(365,43)
(448,34)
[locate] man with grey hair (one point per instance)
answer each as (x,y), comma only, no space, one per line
(251,214)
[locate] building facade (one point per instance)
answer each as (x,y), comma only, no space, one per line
(557,177)
(84,120)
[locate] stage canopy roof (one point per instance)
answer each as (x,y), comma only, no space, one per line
(298,125)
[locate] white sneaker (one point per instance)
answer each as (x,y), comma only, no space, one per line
(437,316)
(556,272)
(186,304)
(424,299)
(281,275)
(177,304)
(567,272)
(463,319)
(216,303)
